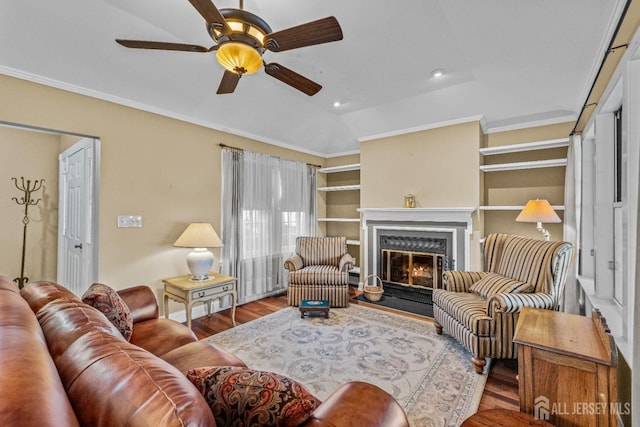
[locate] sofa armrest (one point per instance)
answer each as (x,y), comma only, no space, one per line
(294,263)
(461,281)
(514,303)
(141,301)
(346,262)
(358,404)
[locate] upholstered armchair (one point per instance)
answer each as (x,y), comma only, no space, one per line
(319,270)
(480,309)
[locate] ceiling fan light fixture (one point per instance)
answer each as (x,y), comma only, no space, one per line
(239,58)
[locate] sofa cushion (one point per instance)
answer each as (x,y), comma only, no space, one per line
(241,396)
(109,303)
(493,283)
(160,336)
(319,275)
(468,308)
(200,353)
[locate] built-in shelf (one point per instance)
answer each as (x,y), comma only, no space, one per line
(353,242)
(339,219)
(340,188)
(343,168)
(524,165)
(514,208)
(528,146)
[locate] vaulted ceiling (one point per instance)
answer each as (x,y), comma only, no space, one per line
(506,62)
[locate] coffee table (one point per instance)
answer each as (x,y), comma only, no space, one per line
(314,306)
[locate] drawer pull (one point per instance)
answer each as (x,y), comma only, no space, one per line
(200,294)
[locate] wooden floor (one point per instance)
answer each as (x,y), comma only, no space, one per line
(501,390)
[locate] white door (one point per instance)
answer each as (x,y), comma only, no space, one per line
(77,222)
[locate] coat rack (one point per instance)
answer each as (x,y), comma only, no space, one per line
(27,188)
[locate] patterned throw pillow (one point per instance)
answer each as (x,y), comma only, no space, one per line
(493,283)
(109,303)
(245,397)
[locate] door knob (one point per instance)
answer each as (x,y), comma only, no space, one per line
(78,246)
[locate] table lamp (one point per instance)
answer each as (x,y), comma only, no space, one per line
(538,211)
(199,236)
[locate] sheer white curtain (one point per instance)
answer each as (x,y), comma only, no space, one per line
(572,203)
(266,203)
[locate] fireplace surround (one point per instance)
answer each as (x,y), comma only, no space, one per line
(410,248)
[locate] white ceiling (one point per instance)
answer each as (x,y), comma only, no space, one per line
(507,62)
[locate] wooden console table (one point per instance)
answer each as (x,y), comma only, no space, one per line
(189,292)
(566,368)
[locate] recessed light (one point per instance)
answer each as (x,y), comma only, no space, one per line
(438,72)
(336,104)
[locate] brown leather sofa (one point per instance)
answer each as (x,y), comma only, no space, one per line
(62,363)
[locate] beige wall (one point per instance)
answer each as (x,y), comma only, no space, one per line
(166,170)
(440,167)
(34,156)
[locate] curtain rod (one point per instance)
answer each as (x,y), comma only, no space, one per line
(609,50)
(242,151)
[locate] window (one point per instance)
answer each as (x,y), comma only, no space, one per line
(266,203)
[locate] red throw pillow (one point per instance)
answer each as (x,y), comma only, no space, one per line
(109,303)
(245,397)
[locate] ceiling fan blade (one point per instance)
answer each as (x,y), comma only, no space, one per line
(211,14)
(142,44)
(292,78)
(229,82)
(316,32)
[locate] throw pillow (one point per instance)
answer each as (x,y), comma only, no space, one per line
(493,283)
(245,397)
(109,303)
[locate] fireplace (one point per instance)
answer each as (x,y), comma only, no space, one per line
(412,268)
(412,259)
(410,248)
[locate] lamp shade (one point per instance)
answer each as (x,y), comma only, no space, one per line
(538,211)
(199,235)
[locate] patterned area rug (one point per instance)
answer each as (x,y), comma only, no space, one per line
(431,376)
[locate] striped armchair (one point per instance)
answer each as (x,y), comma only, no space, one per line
(319,270)
(480,309)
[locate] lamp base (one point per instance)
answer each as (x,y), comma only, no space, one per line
(200,261)
(201,278)
(544,232)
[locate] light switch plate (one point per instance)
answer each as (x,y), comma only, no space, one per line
(126,221)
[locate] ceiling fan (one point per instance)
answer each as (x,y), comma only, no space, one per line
(241,38)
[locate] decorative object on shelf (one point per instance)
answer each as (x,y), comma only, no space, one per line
(538,211)
(373,293)
(28,188)
(199,236)
(409,201)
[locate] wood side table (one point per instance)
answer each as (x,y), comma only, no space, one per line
(182,289)
(566,368)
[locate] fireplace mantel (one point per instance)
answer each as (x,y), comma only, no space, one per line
(461,214)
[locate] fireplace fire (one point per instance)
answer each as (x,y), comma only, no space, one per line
(412,268)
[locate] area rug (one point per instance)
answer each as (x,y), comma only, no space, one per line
(431,376)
